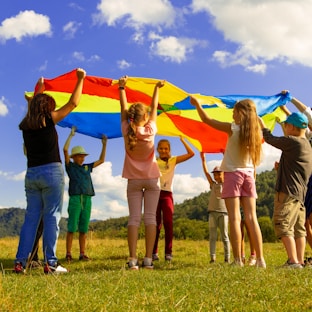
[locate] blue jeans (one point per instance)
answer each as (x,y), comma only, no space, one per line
(44,187)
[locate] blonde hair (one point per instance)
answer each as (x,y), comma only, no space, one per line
(249,136)
(136,113)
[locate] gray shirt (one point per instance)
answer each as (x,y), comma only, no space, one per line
(295,166)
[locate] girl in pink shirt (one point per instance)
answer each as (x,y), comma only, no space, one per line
(140,168)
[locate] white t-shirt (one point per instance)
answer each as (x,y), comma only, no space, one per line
(166,169)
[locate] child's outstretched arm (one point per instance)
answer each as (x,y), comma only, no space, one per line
(219,125)
(103,153)
(155,99)
(206,172)
(67,143)
(123,98)
(190,152)
(74,100)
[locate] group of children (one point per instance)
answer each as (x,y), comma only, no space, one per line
(233,187)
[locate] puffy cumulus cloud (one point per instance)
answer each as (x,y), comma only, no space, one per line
(185,186)
(263,31)
(171,48)
(70,29)
(135,13)
(25,24)
(3,107)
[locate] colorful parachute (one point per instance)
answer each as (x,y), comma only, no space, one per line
(99,110)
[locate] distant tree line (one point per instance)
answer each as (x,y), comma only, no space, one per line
(190,217)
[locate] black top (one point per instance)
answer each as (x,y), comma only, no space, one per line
(42,145)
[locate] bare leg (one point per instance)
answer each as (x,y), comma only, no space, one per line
(249,207)
(290,246)
(69,242)
(233,208)
(300,247)
(150,234)
(309,230)
(82,242)
(132,240)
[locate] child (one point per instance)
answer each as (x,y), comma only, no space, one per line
(294,170)
(218,216)
(242,155)
(80,192)
(141,169)
(308,199)
(167,164)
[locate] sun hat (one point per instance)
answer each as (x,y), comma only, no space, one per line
(216,169)
(298,120)
(78,150)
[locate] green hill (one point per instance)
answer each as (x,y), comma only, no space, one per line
(190,217)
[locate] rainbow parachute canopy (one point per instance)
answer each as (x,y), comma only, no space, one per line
(98,112)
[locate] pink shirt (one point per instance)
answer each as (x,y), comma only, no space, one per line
(140,163)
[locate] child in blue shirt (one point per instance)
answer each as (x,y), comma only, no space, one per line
(80,192)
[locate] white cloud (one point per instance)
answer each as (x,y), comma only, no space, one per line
(13,177)
(263,31)
(123,64)
(25,24)
(79,56)
(70,29)
(135,13)
(171,48)
(3,107)
(43,67)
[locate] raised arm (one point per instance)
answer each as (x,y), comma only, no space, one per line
(61,113)
(190,152)
(204,164)
(219,125)
(123,98)
(67,143)
(155,99)
(103,152)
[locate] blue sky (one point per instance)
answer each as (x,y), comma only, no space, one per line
(214,47)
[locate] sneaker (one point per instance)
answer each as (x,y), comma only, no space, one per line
(56,269)
(226,261)
(260,263)
(252,261)
(212,261)
(133,264)
(155,257)
(84,258)
(168,257)
(69,258)
(289,265)
(147,263)
(18,268)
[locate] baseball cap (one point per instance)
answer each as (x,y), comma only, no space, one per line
(78,150)
(298,120)
(216,169)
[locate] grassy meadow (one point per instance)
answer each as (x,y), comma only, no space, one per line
(188,283)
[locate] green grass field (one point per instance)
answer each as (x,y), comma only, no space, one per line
(188,283)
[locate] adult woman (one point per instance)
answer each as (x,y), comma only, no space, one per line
(44,180)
